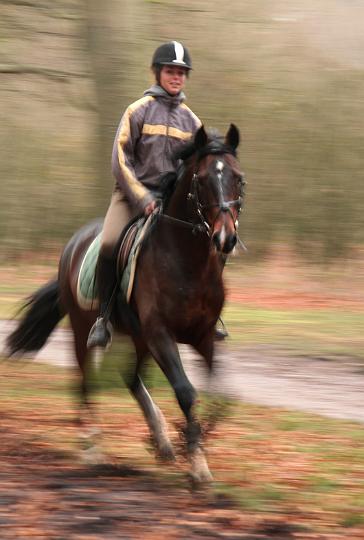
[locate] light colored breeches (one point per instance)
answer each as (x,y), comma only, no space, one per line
(117,217)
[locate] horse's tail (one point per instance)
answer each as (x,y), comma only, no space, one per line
(42,313)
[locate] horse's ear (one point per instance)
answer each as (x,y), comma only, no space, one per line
(200,138)
(232,138)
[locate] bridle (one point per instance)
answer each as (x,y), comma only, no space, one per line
(223,206)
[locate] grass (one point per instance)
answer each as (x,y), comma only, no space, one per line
(19,281)
(329,333)
(268,461)
(331,330)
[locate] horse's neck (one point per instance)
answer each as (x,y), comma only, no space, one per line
(192,248)
(179,206)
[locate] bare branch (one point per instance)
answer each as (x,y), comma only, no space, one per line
(52,11)
(24,3)
(44,72)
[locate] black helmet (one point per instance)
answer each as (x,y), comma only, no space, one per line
(172,54)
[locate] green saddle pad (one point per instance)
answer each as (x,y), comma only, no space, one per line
(86,285)
(87,293)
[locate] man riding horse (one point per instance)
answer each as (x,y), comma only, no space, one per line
(150,131)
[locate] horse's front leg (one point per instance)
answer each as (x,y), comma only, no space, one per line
(152,414)
(155,420)
(166,353)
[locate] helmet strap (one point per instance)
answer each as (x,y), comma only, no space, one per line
(157,73)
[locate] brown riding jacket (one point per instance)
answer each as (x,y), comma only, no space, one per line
(150,130)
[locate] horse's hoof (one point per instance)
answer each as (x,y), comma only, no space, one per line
(166,454)
(200,481)
(200,473)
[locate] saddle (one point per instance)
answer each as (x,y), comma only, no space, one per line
(87,294)
(125,247)
(128,254)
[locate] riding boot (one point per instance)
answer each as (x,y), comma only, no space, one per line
(101,332)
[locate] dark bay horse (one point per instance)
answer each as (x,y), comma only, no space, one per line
(178,291)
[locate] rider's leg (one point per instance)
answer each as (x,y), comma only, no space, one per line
(116,219)
(101,332)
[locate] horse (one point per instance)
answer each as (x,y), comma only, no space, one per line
(178,291)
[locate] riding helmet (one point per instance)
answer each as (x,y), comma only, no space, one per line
(172,53)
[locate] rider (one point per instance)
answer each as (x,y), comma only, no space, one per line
(149,132)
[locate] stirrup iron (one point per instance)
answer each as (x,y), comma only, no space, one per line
(100,334)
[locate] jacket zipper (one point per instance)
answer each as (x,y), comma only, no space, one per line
(167,137)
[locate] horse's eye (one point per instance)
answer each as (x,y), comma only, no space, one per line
(241,180)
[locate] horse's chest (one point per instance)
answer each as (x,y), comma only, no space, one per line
(196,294)
(193,301)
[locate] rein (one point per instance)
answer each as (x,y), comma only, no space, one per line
(196,227)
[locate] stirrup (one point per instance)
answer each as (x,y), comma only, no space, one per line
(221,333)
(100,334)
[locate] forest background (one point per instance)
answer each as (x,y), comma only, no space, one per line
(288,74)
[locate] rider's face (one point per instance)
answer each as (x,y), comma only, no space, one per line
(173,79)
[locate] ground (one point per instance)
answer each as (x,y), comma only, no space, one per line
(47,493)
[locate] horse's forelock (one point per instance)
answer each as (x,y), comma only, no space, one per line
(216,146)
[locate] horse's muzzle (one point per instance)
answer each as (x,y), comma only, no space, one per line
(224,243)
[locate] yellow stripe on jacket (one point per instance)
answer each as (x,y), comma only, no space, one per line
(136,187)
(160,129)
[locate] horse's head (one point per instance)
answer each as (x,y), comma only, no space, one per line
(217,186)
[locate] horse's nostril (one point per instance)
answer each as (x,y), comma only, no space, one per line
(225,245)
(230,243)
(216,241)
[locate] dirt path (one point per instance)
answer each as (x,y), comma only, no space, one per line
(47,495)
(262,375)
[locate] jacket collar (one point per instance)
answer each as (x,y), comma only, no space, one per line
(159,92)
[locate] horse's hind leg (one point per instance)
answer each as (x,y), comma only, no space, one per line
(218,403)
(89,433)
(153,415)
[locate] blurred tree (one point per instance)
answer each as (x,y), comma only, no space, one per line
(290,75)
(106,61)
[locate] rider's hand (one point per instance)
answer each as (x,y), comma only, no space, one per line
(150,208)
